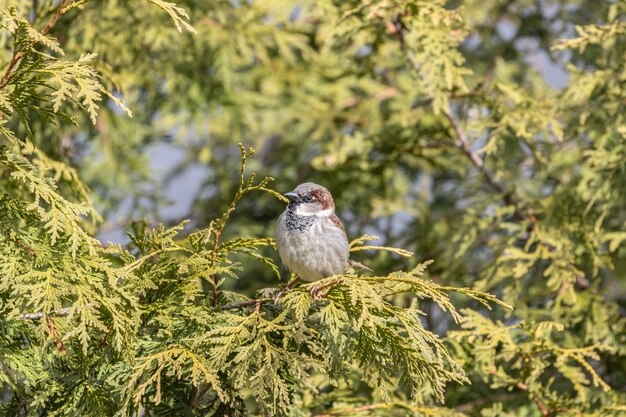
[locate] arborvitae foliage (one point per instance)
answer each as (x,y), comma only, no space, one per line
(432,128)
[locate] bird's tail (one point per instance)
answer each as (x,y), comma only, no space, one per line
(358,265)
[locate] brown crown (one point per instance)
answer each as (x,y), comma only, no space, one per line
(322,195)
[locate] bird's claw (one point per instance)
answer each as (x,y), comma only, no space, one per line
(280,294)
(289,285)
(315,292)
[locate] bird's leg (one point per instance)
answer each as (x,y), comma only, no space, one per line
(289,285)
(314,292)
(316,289)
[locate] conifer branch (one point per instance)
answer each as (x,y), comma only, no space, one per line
(521,208)
(221,222)
(247,303)
(246,185)
(540,405)
(426,411)
(463,143)
(146,333)
(397,29)
(353,410)
(17,56)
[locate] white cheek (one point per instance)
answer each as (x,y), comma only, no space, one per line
(312,209)
(324,213)
(305,210)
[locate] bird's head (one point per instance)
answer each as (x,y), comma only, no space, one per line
(310,199)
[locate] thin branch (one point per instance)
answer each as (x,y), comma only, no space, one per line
(355,410)
(212,282)
(540,405)
(197,394)
(60,10)
(522,208)
(57,313)
(380,406)
(55,334)
(36,316)
(463,143)
(105,341)
(245,187)
(27,248)
(17,56)
(257,302)
(7,75)
(222,220)
(542,408)
(246,303)
(397,29)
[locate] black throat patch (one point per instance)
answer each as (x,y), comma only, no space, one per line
(295,222)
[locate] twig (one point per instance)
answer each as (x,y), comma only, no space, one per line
(57,313)
(213,259)
(380,406)
(288,287)
(197,394)
(244,188)
(55,334)
(247,303)
(17,56)
(257,302)
(222,220)
(104,341)
(540,405)
(60,10)
(353,410)
(24,246)
(542,408)
(14,60)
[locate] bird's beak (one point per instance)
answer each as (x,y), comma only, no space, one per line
(292,196)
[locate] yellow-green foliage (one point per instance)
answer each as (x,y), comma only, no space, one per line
(432,126)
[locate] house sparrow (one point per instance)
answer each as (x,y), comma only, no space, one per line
(310,238)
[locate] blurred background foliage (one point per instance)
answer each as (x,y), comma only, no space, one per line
(487,135)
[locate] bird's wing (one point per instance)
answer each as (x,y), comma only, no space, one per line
(335,220)
(352,263)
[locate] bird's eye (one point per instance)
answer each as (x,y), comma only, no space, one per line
(307,198)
